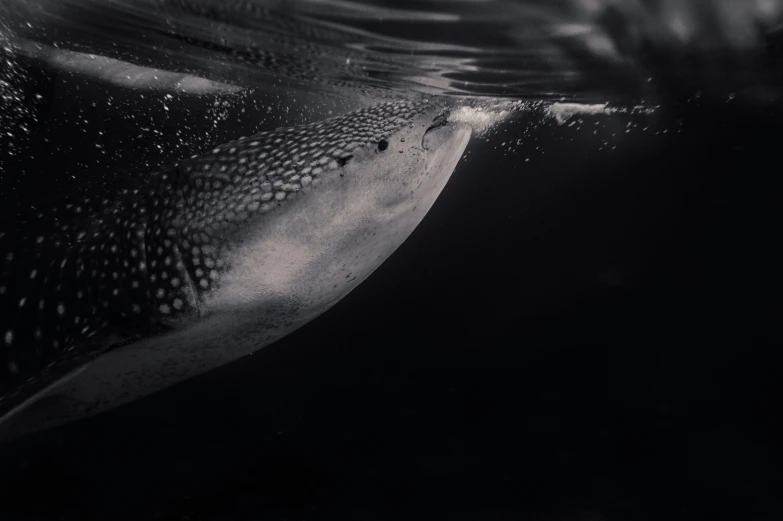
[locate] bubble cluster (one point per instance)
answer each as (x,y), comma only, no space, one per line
(16,111)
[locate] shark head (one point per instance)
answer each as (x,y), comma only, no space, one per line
(233,249)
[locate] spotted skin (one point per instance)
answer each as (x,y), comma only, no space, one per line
(78,279)
(72,273)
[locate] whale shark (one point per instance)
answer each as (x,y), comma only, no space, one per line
(107,300)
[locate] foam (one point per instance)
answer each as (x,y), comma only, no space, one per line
(480,119)
(562,112)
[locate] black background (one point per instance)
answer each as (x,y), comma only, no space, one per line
(588,335)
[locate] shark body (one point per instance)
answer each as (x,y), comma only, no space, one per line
(208,260)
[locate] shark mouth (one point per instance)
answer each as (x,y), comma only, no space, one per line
(439,121)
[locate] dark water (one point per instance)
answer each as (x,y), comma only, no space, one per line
(584,327)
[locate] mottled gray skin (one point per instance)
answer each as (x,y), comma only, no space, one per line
(209,260)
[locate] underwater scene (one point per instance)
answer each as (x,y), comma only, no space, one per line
(480,260)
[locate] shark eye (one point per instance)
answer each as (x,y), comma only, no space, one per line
(383,145)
